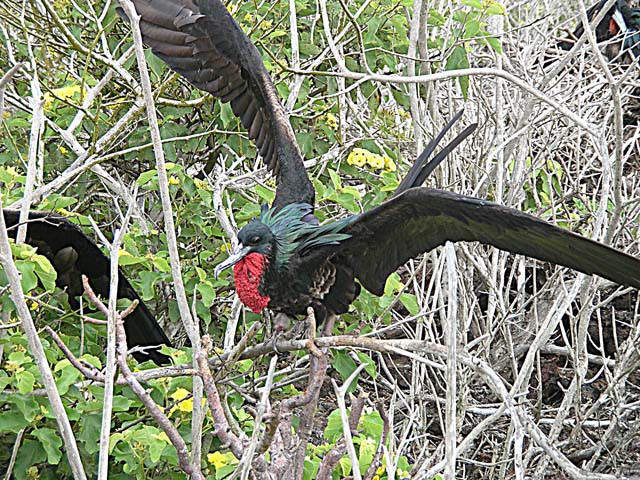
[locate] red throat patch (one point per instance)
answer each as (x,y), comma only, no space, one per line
(247,274)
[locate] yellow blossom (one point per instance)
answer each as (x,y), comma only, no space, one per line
(63,150)
(174,180)
(375,161)
(380,470)
(358,157)
(233,8)
(331,121)
(389,164)
(184,406)
(65,212)
(34,306)
(217,459)
(13,367)
(248,17)
(64,93)
(32,472)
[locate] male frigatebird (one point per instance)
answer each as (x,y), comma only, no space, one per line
(73,254)
(620,21)
(286,261)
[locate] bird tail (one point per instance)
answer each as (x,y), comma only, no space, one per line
(422,168)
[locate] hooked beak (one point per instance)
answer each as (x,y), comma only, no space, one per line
(237,254)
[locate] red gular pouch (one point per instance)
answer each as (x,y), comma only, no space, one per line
(247,274)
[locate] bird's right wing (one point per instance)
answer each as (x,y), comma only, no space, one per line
(201,41)
(73,254)
(420,219)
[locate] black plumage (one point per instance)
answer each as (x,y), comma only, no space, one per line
(620,26)
(285,260)
(73,254)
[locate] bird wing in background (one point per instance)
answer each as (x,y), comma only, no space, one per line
(201,41)
(421,219)
(73,254)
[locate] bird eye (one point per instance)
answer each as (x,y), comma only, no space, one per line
(255,240)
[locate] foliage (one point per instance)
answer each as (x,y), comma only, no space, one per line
(360,132)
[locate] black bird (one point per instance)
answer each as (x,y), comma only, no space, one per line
(621,22)
(286,261)
(73,254)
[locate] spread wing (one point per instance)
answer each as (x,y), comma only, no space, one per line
(73,254)
(421,219)
(201,41)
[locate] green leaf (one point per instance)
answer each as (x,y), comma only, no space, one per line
(343,364)
(477,4)
(208,293)
(496,8)
(471,28)
(12,421)
(333,430)
(51,442)
(372,425)
(28,279)
(26,381)
(370,367)
(495,43)
(146,177)
(365,453)
(410,303)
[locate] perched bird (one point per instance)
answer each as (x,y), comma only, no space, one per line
(285,260)
(73,254)
(620,23)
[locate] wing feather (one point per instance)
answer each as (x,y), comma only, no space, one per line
(201,41)
(421,219)
(73,254)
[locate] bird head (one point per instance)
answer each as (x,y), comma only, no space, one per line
(255,237)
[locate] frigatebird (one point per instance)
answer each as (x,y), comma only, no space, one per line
(285,260)
(621,21)
(73,254)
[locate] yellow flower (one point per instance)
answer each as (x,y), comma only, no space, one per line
(13,367)
(389,164)
(174,180)
(186,405)
(375,161)
(380,470)
(358,157)
(65,212)
(63,150)
(32,472)
(217,459)
(331,121)
(64,93)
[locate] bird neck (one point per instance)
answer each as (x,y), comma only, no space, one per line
(248,274)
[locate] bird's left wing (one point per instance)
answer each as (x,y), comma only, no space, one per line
(73,254)
(420,219)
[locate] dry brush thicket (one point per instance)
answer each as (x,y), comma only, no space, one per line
(543,381)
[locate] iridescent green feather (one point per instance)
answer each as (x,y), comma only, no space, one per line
(293,234)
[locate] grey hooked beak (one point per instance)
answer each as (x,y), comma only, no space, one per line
(237,254)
